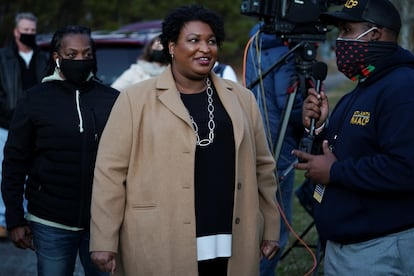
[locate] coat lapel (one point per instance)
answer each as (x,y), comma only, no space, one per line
(232,105)
(169,96)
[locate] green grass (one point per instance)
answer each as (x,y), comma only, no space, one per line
(338,92)
(299,260)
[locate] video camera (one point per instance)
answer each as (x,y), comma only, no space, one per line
(296,20)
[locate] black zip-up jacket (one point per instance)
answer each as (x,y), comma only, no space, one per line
(11,88)
(53,139)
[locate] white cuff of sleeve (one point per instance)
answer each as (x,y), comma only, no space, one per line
(318,130)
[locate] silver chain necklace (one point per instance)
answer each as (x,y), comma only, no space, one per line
(211,125)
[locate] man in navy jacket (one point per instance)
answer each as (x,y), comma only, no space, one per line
(365,174)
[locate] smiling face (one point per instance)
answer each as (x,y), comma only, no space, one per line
(195,51)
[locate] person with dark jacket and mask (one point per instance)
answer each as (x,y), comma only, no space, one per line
(364,194)
(22,66)
(52,145)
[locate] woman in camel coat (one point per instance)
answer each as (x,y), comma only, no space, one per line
(144,203)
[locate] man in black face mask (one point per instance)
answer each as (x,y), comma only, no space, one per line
(21,67)
(364,191)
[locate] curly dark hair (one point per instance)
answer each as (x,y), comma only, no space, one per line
(56,42)
(177,18)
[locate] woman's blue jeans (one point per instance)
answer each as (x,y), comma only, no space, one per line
(57,250)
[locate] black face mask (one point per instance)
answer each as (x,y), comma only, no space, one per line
(158,56)
(358,59)
(76,70)
(28,40)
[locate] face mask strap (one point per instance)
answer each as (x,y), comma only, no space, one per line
(366,32)
(359,36)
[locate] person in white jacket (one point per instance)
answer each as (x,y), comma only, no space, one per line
(225,71)
(150,64)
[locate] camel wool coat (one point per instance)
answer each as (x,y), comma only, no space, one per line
(143,191)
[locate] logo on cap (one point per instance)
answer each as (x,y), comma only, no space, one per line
(351,3)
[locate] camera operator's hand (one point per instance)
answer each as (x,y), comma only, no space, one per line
(315,106)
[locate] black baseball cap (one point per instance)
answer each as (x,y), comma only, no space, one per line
(379,12)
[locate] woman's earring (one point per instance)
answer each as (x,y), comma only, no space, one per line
(172,56)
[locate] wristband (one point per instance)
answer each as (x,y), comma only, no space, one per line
(318,130)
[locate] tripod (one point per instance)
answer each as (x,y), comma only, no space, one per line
(304,53)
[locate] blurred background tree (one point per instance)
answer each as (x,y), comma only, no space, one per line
(406,8)
(111,14)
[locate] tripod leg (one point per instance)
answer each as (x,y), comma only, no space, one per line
(284,122)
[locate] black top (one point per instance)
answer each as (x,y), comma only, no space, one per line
(46,143)
(28,73)
(214,167)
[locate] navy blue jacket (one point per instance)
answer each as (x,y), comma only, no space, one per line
(53,139)
(272,100)
(371,193)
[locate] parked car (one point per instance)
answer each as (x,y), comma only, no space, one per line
(115,50)
(150,27)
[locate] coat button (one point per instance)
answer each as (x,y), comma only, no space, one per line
(237,220)
(239,186)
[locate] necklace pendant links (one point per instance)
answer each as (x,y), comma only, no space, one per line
(211,124)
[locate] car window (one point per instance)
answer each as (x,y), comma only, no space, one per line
(114,60)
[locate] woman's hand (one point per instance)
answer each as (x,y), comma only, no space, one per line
(269,249)
(104,260)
